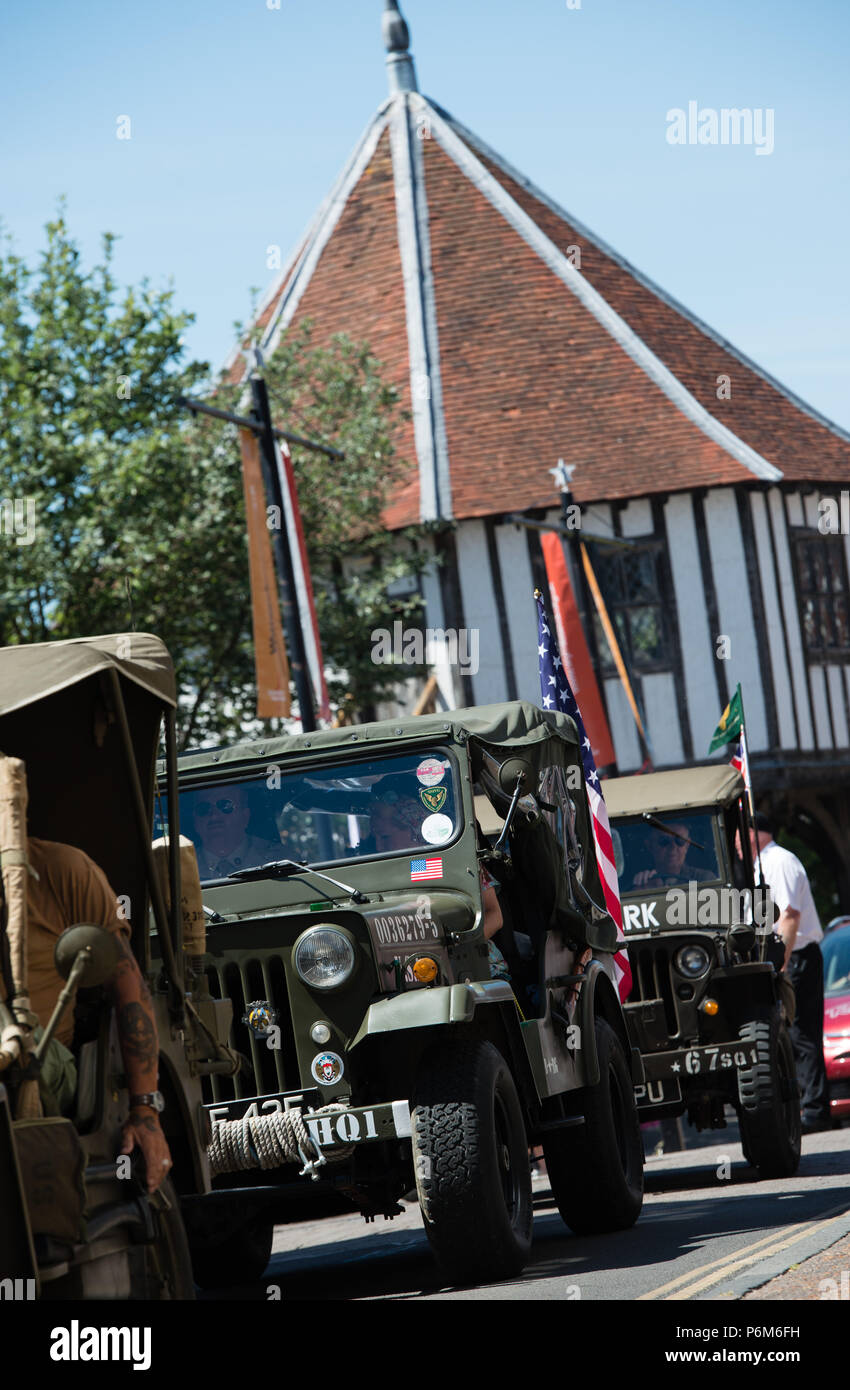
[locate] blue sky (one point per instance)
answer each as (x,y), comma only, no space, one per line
(242,115)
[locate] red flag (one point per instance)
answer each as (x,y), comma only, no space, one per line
(573,645)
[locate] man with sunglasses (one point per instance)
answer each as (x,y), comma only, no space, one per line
(220,833)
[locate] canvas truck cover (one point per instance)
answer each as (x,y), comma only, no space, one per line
(29,673)
(55,717)
(678,790)
(515,725)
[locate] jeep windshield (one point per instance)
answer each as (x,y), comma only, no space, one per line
(657,854)
(329,813)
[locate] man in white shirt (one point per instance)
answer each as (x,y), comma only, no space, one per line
(800,929)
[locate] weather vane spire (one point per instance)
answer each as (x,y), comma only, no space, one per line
(402,73)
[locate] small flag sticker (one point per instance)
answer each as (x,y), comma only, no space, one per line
(420,869)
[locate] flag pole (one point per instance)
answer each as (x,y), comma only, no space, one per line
(619,661)
(748,784)
(280,538)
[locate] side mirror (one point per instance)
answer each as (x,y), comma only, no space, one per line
(743,938)
(515,768)
(100,954)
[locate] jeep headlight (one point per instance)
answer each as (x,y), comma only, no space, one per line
(324,957)
(692,961)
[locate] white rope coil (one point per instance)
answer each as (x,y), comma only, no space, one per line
(267,1141)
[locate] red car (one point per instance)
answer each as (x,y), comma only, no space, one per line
(836,1016)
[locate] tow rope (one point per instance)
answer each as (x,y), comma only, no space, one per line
(268,1141)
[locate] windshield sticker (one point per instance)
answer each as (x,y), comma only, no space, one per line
(434,798)
(420,869)
(327,1068)
(430,771)
(437,829)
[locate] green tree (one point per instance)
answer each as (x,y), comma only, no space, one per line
(137,509)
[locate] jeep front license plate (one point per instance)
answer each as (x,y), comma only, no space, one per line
(352,1125)
(700,1061)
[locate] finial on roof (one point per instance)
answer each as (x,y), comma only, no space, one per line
(402,73)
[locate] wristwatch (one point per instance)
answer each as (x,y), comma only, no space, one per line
(153,1099)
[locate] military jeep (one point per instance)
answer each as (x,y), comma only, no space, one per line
(342,880)
(708,1009)
(85,718)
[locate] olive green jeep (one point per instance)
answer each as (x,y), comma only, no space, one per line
(344,876)
(709,1008)
(82,721)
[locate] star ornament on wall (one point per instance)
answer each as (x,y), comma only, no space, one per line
(563,473)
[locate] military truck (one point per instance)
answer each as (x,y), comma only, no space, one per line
(85,718)
(342,878)
(709,1008)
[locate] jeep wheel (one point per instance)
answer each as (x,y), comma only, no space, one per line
(769,1102)
(596,1171)
(470,1154)
(163,1269)
(239,1259)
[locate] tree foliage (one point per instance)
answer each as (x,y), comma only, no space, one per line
(138,508)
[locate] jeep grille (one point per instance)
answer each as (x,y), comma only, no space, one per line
(274,1069)
(651,980)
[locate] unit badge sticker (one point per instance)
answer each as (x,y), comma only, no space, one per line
(433,798)
(327,1068)
(429,772)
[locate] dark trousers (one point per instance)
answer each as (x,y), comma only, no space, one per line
(805,970)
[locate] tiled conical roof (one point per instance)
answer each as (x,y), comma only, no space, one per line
(516,336)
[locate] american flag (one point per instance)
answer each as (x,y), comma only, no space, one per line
(556,693)
(421,869)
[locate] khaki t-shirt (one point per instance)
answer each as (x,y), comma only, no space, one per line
(70,888)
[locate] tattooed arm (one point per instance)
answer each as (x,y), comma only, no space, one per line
(140,1052)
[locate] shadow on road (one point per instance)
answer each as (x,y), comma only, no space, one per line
(673,1234)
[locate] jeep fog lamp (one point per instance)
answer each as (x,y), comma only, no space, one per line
(425,969)
(320,1033)
(692,961)
(324,957)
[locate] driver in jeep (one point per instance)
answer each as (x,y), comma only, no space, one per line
(66,887)
(668,849)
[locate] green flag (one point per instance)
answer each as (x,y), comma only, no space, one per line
(731,723)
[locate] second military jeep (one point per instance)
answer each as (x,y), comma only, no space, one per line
(344,877)
(709,1008)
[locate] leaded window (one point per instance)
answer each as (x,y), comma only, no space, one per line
(632,585)
(823,594)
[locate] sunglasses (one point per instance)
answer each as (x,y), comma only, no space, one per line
(204,808)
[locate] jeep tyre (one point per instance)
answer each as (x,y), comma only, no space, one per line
(241,1258)
(470,1155)
(596,1171)
(769,1101)
(162,1269)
